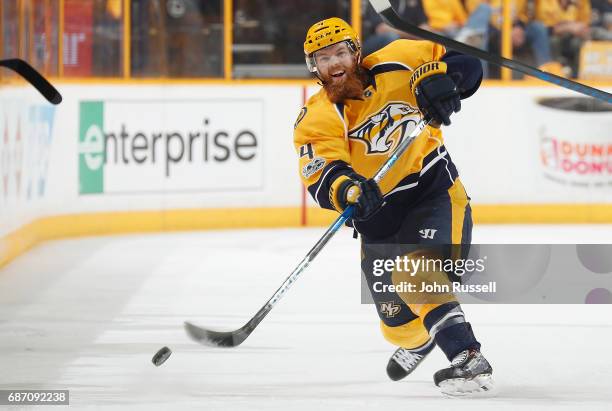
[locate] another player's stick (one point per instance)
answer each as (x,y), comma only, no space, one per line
(384,8)
(34,78)
(236,337)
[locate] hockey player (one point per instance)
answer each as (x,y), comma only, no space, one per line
(345,133)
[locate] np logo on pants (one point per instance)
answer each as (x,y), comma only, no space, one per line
(390,309)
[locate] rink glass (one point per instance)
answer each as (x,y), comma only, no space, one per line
(178,39)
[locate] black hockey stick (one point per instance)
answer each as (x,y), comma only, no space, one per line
(384,8)
(34,78)
(236,337)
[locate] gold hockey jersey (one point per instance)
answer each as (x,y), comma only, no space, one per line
(357,136)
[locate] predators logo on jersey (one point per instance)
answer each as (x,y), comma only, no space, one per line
(357,135)
(386,128)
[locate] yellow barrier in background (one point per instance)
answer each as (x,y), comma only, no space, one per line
(111,223)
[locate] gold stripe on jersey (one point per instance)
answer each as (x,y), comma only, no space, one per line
(459,202)
(359,135)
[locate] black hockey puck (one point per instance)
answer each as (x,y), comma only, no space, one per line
(161,356)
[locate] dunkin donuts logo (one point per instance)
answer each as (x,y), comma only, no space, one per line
(575,145)
(583,163)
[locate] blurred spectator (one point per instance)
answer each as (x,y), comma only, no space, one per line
(601,20)
(176,38)
(194,31)
(530,38)
(377,34)
(447,17)
(568,22)
(450,18)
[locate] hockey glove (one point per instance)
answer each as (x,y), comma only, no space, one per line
(436,92)
(365,194)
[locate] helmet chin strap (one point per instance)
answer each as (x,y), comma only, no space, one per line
(321,82)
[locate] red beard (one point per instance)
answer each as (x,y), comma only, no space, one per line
(351,88)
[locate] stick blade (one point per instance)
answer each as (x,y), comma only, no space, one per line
(226,339)
(380,5)
(36,79)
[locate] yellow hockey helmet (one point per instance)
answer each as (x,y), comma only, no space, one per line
(325,33)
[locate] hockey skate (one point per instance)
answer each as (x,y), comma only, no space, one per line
(470,374)
(404,361)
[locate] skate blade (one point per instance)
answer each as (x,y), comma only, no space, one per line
(479,386)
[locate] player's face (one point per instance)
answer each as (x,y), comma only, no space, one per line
(335,63)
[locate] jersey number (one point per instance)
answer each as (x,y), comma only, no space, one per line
(306,150)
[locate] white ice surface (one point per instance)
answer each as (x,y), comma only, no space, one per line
(87,315)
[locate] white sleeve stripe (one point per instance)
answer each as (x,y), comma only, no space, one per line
(450,175)
(392,62)
(402,188)
(423,171)
(432,162)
